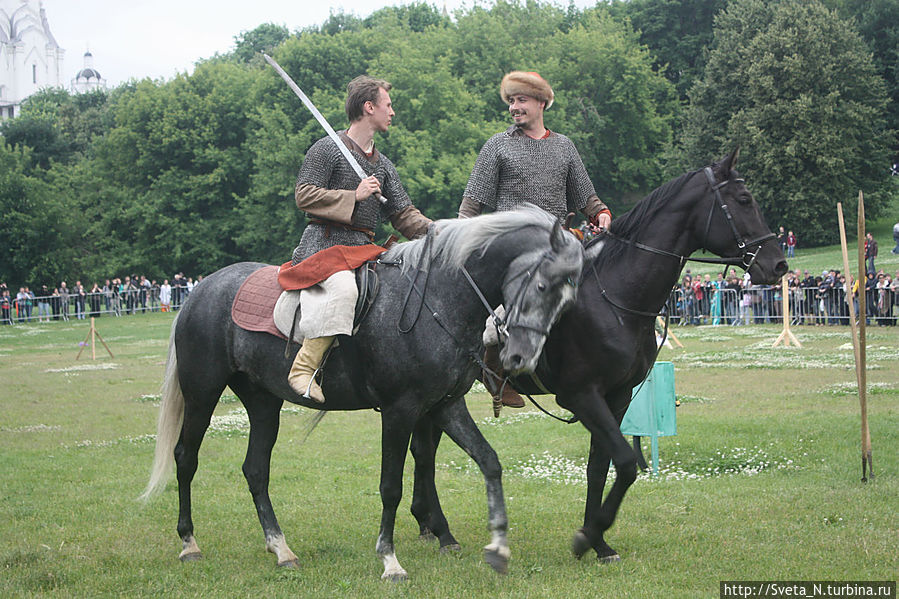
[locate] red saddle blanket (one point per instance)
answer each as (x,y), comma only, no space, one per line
(255,302)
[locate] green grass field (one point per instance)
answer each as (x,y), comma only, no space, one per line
(761,482)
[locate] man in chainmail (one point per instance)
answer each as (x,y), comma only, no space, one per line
(345,211)
(528,163)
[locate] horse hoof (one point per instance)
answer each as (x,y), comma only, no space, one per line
(191,557)
(395,577)
(608,559)
(291,564)
(451,548)
(427,535)
(580,544)
(497,561)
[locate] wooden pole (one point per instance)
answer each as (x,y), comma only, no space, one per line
(862,343)
(850,280)
(93,334)
(670,332)
(786,336)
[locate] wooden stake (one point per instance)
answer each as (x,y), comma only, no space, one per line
(862,343)
(786,336)
(670,332)
(91,334)
(850,281)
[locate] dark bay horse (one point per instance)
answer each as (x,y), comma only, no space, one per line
(605,344)
(412,356)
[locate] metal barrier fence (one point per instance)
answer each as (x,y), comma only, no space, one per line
(756,305)
(78,307)
(762,304)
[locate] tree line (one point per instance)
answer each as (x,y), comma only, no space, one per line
(198,171)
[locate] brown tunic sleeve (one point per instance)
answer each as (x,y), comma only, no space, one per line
(410,222)
(330,204)
(469,208)
(594,206)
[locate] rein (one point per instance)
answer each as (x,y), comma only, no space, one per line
(745,260)
(502,325)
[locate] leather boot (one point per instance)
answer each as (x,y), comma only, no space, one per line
(503,394)
(307,361)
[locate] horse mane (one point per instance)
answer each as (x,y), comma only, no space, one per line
(457,239)
(633,223)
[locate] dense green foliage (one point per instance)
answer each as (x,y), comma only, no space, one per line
(795,87)
(189,174)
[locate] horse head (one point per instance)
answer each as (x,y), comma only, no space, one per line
(735,227)
(538,285)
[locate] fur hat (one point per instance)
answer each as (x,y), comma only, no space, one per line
(527,83)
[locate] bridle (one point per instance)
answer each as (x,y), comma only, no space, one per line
(748,256)
(749,249)
(512,319)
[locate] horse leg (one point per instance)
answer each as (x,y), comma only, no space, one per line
(425,502)
(198,409)
(606,441)
(264,412)
(455,420)
(396,430)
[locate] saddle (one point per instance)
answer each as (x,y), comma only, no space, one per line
(262,304)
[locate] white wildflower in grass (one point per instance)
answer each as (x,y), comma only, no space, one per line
(675,464)
(233,423)
(552,468)
(85,367)
(883,354)
(507,419)
(725,462)
(139,440)
(33,428)
(851,388)
(761,357)
(841,332)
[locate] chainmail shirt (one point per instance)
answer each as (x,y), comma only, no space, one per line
(513,168)
(324,166)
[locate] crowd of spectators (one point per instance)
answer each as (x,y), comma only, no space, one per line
(134,294)
(813,299)
(734,300)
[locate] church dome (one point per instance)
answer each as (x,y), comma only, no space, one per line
(88,78)
(88,74)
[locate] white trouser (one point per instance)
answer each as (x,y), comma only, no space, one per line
(328,307)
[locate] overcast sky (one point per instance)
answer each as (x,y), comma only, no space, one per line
(160,38)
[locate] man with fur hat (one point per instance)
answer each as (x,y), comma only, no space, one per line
(528,163)
(343,211)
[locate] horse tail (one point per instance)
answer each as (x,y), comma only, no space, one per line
(168,426)
(313,422)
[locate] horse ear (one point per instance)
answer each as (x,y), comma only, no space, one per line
(731,161)
(556,238)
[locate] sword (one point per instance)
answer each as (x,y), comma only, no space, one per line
(322,121)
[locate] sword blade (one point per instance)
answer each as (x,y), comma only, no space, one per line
(321,121)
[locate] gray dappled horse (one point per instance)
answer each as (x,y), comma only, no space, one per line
(605,344)
(413,356)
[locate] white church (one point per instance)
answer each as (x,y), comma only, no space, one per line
(30,58)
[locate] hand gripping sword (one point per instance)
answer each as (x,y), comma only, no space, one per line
(321,121)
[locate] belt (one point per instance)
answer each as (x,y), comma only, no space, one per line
(328,224)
